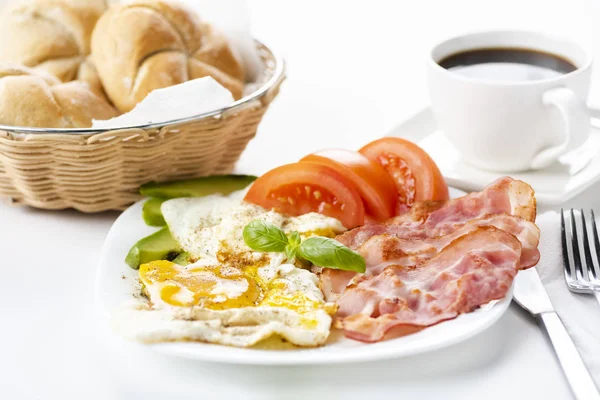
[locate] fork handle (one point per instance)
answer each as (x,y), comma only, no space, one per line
(577,374)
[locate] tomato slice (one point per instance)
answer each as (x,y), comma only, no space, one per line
(300,188)
(416,175)
(373,183)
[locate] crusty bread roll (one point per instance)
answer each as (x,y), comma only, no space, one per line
(150,44)
(53,35)
(37,99)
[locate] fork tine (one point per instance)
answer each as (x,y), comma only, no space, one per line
(589,263)
(575,245)
(565,247)
(595,272)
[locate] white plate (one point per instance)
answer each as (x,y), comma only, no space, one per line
(116,283)
(554,185)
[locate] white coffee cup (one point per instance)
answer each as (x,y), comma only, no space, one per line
(516,125)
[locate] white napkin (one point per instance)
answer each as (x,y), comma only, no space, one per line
(185,100)
(580,313)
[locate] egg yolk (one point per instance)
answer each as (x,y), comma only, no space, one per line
(210,287)
(278,296)
(220,287)
(326,232)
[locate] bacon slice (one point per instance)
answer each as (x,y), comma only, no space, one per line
(475,244)
(430,219)
(382,250)
(473,270)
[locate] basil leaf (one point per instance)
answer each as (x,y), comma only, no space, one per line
(290,253)
(265,237)
(330,253)
(294,239)
(292,248)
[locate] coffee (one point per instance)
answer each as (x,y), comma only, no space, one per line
(507,64)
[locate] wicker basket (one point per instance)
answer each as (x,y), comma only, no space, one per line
(98,170)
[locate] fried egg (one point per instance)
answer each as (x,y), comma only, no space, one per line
(208,225)
(231,295)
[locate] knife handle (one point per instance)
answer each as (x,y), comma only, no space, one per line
(577,374)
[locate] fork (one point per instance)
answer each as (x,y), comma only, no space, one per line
(581,275)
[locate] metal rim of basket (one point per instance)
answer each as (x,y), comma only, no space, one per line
(278,74)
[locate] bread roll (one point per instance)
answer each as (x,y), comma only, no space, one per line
(87,73)
(37,99)
(150,44)
(53,35)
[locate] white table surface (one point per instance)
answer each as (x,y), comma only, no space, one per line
(354,72)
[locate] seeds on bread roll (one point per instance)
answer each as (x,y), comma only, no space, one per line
(53,35)
(150,44)
(37,99)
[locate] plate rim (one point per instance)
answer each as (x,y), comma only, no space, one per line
(242,356)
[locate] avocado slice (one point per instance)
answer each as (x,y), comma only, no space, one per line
(152,214)
(183,259)
(197,187)
(158,246)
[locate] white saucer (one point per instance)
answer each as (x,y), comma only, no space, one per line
(554,185)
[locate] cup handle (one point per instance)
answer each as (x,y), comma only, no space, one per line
(594,112)
(571,107)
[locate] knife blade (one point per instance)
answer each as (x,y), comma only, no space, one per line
(530,294)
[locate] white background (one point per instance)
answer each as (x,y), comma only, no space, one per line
(355,70)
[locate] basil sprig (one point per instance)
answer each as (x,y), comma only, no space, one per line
(265,237)
(324,252)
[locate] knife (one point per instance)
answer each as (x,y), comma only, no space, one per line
(530,294)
